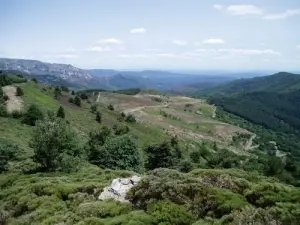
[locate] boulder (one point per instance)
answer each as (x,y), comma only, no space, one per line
(119,188)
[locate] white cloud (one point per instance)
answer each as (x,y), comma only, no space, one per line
(180,42)
(98,49)
(138,31)
(218,7)
(284,15)
(298,47)
(252,10)
(112,41)
(213,41)
(240,51)
(241,10)
(134,56)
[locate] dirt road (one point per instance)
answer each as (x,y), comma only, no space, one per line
(14,103)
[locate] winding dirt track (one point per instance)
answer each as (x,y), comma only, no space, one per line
(14,103)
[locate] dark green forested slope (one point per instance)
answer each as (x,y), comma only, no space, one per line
(280,82)
(278,111)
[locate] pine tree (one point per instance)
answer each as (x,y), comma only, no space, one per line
(98,117)
(61,112)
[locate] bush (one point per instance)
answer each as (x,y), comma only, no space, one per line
(120,153)
(34,80)
(168,213)
(32,115)
(98,117)
(111,107)
(94,108)
(97,139)
(77,101)
(120,129)
(71,100)
(61,112)
(19,92)
(64,88)
(57,93)
(16,114)
(8,151)
(51,140)
(162,155)
(130,119)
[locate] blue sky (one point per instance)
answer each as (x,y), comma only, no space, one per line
(154,34)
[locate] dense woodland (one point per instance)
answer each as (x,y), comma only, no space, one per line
(56,177)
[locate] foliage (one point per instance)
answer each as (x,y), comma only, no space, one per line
(168,213)
(164,155)
(32,115)
(57,93)
(111,107)
(34,80)
(94,108)
(19,92)
(98,117)
(130,119)
(61,112)
(120,153)
(120,129)
(77,101)
(64,88)
(97,139)
(52,139)
(8,152)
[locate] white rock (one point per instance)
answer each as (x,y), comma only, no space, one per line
(119,188)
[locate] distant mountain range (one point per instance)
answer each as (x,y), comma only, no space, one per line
(62,74)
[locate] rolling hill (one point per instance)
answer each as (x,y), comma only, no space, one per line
(215,172)
(279,83)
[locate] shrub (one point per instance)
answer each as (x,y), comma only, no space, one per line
(98,117)
(120,129)
(94,108)
(120,153)
(19,92)
(71,100)
(61,112)
(34,80)
(97,139)
(77,101)
(73,92)
(130,119)
(52,139)
(8,151)
(16,114)
(64,88)
(32,115)
(57,93)
(168,213)
(111,107)
(162,155)
(5,98)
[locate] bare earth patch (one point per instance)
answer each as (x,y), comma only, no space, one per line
(15,103)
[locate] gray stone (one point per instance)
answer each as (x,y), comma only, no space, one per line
(119,188)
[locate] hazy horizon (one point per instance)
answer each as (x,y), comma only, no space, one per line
(154,35)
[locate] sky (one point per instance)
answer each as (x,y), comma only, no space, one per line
(154,34)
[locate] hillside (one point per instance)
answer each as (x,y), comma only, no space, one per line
(175,132)
(280,82)
(269,103)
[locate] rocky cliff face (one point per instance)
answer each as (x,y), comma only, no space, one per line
(34,67)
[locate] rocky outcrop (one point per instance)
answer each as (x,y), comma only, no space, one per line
(119,188)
